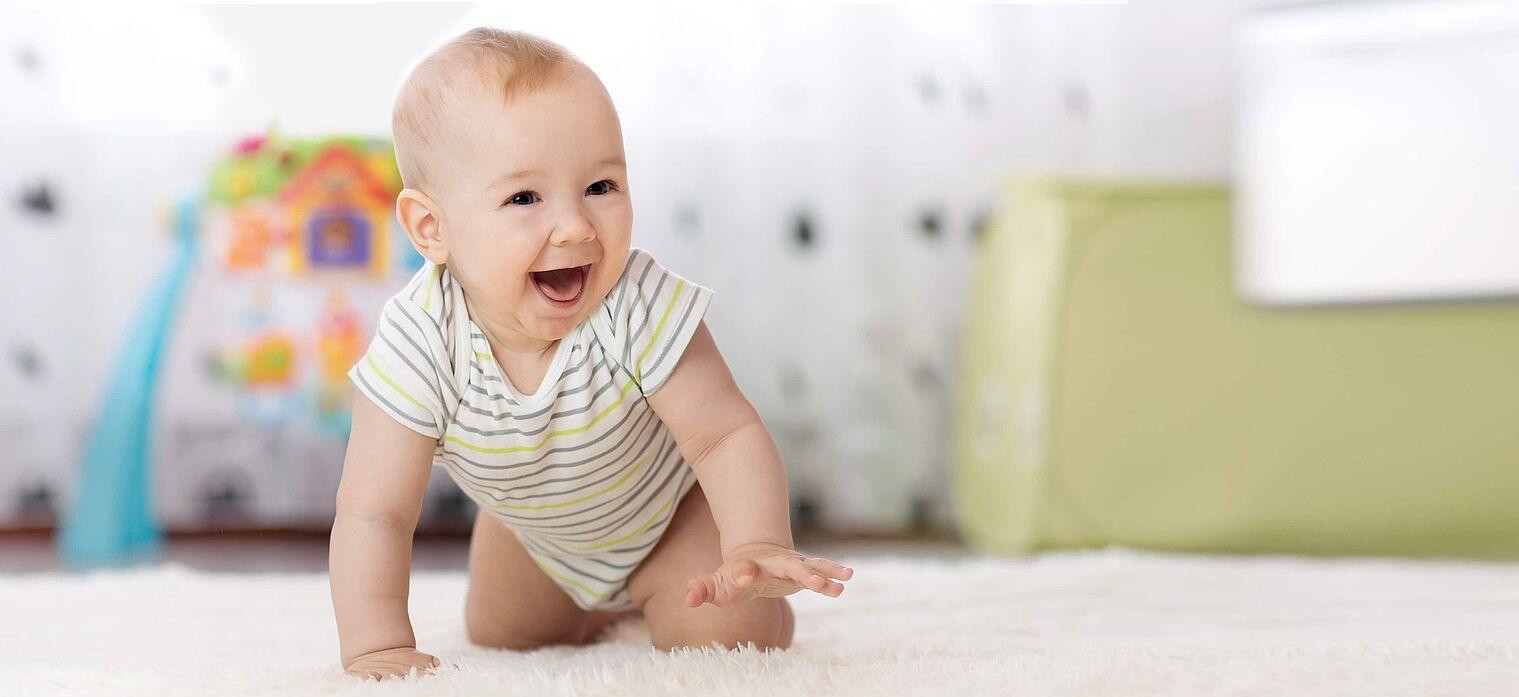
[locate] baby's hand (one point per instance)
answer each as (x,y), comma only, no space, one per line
(388,663)
(765,570)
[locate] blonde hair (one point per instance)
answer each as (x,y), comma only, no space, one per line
(513,62)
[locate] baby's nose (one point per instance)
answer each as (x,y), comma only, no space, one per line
(574,230)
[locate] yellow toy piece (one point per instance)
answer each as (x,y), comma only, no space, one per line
(269,361)
(338,342)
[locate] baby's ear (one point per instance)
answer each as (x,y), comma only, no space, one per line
(417,213)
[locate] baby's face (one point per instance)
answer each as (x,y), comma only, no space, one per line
(536,214)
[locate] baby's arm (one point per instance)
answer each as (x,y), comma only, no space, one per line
(740,470)
(379,500)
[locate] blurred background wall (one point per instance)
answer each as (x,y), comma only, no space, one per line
(828,169)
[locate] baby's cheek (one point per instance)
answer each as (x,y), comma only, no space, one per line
(604,288)
(598,298)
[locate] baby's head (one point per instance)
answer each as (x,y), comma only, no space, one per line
(512,160)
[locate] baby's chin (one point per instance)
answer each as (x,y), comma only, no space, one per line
(557,306)
(554,330)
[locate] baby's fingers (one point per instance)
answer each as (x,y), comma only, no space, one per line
(744,573)
(699,591)
(830,568)
(812,580)
(714,589)
(389,663)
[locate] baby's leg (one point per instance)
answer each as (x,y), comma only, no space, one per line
(512,604)
(690,549)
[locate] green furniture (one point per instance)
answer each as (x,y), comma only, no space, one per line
(1114,389)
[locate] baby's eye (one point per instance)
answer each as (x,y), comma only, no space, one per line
(601,188)
(522,198)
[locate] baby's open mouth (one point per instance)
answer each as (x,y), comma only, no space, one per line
(562,285)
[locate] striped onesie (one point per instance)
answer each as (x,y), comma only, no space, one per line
(583,472)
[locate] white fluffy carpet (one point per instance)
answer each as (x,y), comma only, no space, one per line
(1100,623)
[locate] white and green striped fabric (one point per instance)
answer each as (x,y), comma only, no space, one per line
(583,471)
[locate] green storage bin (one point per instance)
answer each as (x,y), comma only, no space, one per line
(1115,389)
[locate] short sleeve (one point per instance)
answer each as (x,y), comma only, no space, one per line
(405,369)
(649,317)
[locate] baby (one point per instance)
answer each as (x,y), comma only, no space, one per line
(566,382)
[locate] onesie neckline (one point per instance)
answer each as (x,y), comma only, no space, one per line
(547,388)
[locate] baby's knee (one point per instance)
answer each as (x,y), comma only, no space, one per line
(511,635)
(493,637)
(768,625)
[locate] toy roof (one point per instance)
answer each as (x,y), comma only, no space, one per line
(331,157)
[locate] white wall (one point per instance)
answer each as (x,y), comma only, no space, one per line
(1379,152)
(866,120)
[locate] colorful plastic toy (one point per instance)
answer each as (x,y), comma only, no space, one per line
(110,521)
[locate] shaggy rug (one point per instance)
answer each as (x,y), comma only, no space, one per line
(1097,623)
